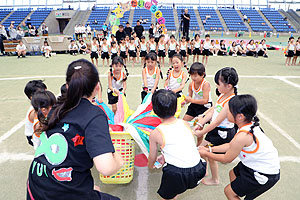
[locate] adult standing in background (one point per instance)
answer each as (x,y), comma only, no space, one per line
(3,36)
(120,33)
(151,32)
(186,22)
(139,29)
(128,29)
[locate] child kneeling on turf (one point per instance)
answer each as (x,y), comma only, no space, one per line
(259,168)
(184,168)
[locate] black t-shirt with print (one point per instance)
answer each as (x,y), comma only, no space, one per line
(62,163)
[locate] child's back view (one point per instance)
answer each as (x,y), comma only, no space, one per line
(184,167)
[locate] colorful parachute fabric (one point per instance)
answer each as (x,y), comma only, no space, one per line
(139,123)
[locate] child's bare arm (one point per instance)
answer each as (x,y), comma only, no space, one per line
(153,141)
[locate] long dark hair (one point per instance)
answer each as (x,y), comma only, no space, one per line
(228,75)
(81,79)
(246,105)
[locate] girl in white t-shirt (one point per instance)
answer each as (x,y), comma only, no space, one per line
(290,51)
(46,49)
(262,49)
(259,167)
(251,49)
(233,49)
(297,54)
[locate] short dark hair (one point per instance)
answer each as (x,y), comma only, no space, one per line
(207,35)
(138,21)
(197,68)
(164,103)
(121,26)
(34,86)
(127,23)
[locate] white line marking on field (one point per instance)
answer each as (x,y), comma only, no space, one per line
(282,132)
(289,82)
(142,191)
(12,131)
(138,75)
(4,157)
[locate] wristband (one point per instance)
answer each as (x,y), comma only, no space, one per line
(199,124)
(210,149)
(145,89)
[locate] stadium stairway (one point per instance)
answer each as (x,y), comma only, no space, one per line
(246,24)
(176,18)
(222,20)
(76,19)
(199,19)
(266,20)
(130,19)
(290,19)
(7,16)
(295,16)
(107,18)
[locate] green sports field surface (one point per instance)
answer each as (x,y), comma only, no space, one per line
(275,86)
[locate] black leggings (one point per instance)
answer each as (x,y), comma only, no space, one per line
(251,53)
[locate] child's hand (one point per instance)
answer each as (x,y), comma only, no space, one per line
(198,133)
(152,91)
(202,148)
(203,153)
(161,159)
(183,103)
(117,92)
(188,99)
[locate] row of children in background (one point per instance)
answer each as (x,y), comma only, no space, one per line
(233,130)
(133,48)
(292,51)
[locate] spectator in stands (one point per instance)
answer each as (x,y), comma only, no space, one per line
(139,29)
(245,18)
(151,32)
(25,29)
(73,48)
(44,29)
(12,31)
(46,49)
(20,33)
(186,22)
(21,49)
(3,36)
(82,47)
(120,33)
(242,49)
(128,29)
(31,30)
(95,22)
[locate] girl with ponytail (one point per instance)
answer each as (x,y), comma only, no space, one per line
(150,74)
(176,78)
(259,167)
(74,136)
(116,81)
(220,130)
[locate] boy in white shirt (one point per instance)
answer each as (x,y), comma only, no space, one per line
(183,167)
(21,49)
(73,48)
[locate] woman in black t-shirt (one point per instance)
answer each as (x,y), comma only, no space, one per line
(75,136)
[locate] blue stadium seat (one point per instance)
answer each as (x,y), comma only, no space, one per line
(100,14)
(277,21)
(146,14)
(167,13)
(233,20)
(17,16)
(39,16)
(212,23)
(257,23)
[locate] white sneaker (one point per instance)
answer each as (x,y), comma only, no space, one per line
(215,55)
(234,55)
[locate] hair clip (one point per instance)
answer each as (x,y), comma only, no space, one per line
(77,67)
